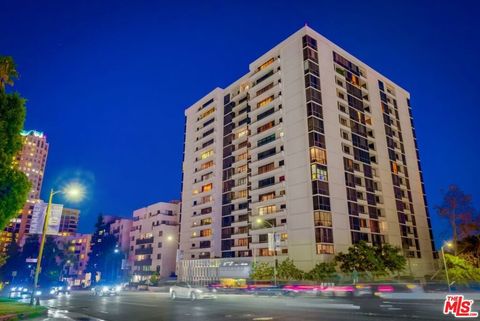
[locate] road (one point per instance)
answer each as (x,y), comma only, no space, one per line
(146,306)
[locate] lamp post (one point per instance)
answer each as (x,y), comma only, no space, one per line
(448,244)
(170,238)
(261,221)
(72,191)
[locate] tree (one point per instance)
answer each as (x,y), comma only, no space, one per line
(469,249)
(14,184)
(12,261)
(51,269)
(8,72)
(460,270)
(261,271)
(458,210)
(392,259)
(154,279)
(376,260)
(287,270)
(102,260)
(360,257)
(321,272)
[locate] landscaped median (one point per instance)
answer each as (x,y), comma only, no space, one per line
(13,310)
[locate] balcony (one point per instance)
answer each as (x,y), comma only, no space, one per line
(240,223)
(262,72)
(144,241)
(148,250)
(143,262)
(239,248)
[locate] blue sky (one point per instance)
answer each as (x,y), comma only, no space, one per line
(108,81)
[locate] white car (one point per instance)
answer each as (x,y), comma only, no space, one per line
(187,291)
(106,290)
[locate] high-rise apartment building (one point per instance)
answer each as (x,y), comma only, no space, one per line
(154,240)
(312,146)
(31,160)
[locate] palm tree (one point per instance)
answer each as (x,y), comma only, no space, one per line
(8,71)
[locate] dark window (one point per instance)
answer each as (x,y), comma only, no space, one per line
(266,182)
(266,113)
(266,140)
(313,95)
(266,153)
(323,235)
(321,203)
(315,124)
(314,109)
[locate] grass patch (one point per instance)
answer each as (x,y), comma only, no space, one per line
(8,306)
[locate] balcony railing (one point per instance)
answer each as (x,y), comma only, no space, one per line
(148,250)
(144,241)
(143,262)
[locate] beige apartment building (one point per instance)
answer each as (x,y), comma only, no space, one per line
(312,146)
(154,240)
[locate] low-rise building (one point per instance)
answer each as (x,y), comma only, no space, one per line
(78,248)
(154,240)
(69,221)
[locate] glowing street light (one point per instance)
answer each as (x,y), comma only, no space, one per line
(449,245)
(261,221)
(74,192)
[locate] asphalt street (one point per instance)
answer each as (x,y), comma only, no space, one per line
(146,306)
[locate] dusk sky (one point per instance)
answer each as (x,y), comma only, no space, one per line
(108,81)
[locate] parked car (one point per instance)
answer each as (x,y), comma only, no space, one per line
(187,291)
(106,289)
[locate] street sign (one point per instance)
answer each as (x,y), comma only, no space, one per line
(38,218)
(54,219)
(31,260)
(273,241)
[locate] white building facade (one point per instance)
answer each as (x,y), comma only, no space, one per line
(311,145)
(154,240)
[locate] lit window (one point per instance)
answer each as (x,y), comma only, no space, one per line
(319,172)
(324,249)
(206,165)
(206,188)
(265,102)
(267,210)
(206,154)
(266,64)
(322,218)
(242,133)
(318,155)
(206,113)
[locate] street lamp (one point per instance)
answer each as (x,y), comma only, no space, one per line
(449,245)
(170,239)
(72,191)
(260,221)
